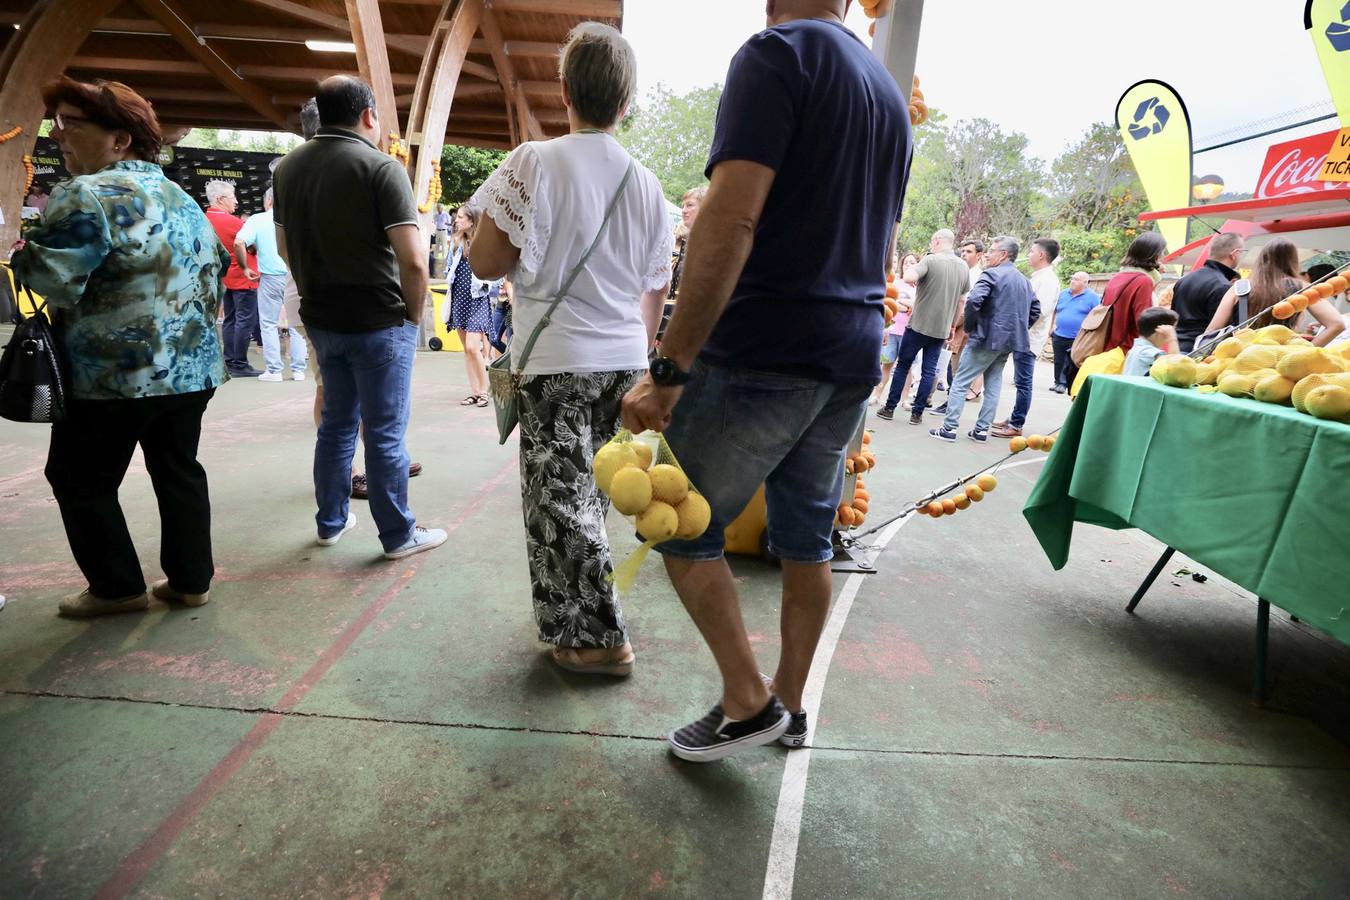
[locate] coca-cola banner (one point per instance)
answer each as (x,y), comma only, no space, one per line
(1291,168)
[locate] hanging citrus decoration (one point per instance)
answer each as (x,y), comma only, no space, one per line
(28,168)
(11,134)
(918,109)
(433,188)
(398,148)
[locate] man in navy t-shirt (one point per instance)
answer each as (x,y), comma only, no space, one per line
(775,342)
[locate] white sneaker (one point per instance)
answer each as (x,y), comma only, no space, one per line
(330,541)
(422,539)
(270,376)
(298,376)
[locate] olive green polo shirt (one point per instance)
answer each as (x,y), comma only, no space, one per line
(335,198)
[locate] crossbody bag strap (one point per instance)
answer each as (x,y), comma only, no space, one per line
(576,270)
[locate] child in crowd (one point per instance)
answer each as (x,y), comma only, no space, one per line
(1157,335)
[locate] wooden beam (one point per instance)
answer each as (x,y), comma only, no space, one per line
(469,140)
(521,49)
(150,66)
(35,54)
(312,75)
(528,126)
(407,44)
(441,92)
(192,95)
(165,13)
(372,58)
(586,9)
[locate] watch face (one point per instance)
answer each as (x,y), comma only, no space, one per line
(662,370)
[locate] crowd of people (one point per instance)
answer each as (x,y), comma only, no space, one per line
(760,376)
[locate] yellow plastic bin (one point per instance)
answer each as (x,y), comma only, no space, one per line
(444,338)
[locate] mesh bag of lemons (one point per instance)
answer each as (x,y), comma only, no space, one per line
(647,483)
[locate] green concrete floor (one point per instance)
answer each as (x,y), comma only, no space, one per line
(333,725)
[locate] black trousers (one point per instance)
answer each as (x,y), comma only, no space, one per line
(1065,370)
(90,451)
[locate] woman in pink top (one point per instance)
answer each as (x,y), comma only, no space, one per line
(890,349)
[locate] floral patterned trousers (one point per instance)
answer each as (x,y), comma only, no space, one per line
(564,419)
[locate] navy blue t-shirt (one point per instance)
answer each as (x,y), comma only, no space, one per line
(810,101)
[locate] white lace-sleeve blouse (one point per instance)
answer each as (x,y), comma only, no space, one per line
(549,198)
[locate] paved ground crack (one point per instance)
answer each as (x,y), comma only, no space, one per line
(522,729)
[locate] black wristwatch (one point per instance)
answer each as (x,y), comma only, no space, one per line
(666,373)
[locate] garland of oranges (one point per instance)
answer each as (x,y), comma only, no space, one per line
(29,173)
(398,148)
(854,513)
(1296,303)
(433,188)
(11,134)
(892,300)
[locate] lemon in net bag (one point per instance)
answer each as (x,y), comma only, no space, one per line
(647,483)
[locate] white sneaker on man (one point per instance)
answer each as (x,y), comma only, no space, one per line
(422,539)
(270,376)
(330,541)
(297,376)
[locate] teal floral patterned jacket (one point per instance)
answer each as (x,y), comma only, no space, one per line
(133,270)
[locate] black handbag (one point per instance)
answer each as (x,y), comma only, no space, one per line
(32,387)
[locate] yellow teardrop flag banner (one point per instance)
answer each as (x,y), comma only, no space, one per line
(1156,129)
(1328,24)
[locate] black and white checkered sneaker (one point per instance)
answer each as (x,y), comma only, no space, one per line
(716,737)
(797,732)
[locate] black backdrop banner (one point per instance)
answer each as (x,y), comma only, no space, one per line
(190,167)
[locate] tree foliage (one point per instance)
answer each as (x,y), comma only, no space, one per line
(1094,183)
(463,169)
(250,141)
(969,176)
(671,134)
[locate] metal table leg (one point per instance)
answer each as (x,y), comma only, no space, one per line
(1262,644)
(1152,577)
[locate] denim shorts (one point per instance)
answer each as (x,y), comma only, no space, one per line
(735,429)
(890,349)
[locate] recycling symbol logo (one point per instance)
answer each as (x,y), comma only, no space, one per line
(1338,33)
(1159,117)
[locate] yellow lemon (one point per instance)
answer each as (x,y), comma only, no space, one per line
(1229,348)
(1254,358)
(630,490)
(1280,333)
(694,514)
(1301,363)
(609,459)
(1174,370)
(644,455)
(1330,401)
(1274,389)
(1237,384)
(669,484)
(659,522)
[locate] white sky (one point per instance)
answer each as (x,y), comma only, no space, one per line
(1053,69)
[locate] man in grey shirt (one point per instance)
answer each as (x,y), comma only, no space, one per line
(940,281)
(347,229)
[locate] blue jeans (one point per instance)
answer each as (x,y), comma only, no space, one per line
(735,429)
(241,312)
(976,361)
(367,379)
(911,344)
(501,327)
(271,297)
(1024,369)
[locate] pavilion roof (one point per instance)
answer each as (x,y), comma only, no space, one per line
(264,42)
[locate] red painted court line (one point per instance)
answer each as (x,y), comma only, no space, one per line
(139,862)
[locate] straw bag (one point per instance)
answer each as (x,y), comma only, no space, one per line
(504,374)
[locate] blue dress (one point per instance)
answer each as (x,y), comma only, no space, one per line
(473,314)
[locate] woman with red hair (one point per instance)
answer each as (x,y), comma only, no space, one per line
(133,270)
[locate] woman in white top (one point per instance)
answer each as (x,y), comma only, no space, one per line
(542,209)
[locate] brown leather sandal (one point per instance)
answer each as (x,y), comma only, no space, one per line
(618,662)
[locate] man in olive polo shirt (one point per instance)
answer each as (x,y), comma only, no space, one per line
(347,228)
(940,281)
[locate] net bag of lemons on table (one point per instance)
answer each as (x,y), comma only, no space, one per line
(647,483)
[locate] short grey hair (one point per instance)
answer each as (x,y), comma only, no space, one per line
(1080,276)
(216,189)
(946,237)
(1009,244)
(599,68)
(267,196)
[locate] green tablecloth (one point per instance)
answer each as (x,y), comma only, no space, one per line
(1256,492)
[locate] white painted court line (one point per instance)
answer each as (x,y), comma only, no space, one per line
(787,824)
